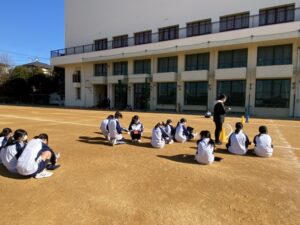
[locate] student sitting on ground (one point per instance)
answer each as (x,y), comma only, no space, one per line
(36,158)
(136,129)
(183,134)
(115,130)
(170,130)
(13,150)
(238,141)
(5,136)
(263,143)
(104,127)
(205,149)
(157,139)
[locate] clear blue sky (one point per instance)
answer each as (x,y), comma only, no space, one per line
(31,29)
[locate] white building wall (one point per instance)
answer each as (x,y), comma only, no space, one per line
(89,20)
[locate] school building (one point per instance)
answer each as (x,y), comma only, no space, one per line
(179,55)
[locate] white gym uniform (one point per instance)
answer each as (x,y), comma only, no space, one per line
(9,156)
(237,143)
(179,135)
(205,151)
(263,145)
(157,140)
(103,127)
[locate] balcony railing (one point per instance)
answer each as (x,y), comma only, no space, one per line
(215,27)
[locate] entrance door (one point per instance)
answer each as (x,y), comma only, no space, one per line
(120,96)
(141,96)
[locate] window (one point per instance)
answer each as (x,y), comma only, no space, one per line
(272,93)
(233,58)
(120,68)
(78,93)
(120,96)
(197,62)
(143,37)
(199,28)
(275,55)
(77,77)
(101,69)
(275,15)
(101,44)
(234,22)
(167,64)
(141,95)
(166,93)
(168,33)
(142,66)
(235,91)
(195,93)
(120,41)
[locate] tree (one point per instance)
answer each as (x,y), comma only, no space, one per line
(6,64)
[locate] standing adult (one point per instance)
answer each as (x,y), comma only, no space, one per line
(219,117)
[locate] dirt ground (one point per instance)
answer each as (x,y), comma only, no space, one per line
(136,184)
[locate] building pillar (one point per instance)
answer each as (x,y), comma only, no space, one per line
(212,83)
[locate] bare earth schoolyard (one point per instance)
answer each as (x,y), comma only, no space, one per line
(136,184)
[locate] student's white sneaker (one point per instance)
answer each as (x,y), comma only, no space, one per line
(139,141)
(43,174)
(195,135)
(120,142)
(171,142)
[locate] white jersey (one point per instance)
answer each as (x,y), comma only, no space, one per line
(27,164)
(238,143)
(1,140)
(204,153)
(263,145)
(136,127)
(168,130)
(179,136)
(103,127)
(157,141)
(112,130)
(9,159)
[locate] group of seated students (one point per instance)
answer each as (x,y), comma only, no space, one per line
(238,143)
(165,133)
(28,158)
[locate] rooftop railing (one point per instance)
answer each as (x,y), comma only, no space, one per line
(228,24)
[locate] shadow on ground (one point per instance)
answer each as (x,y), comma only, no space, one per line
(5,173)
(183,158)
(250,152)
(93,140)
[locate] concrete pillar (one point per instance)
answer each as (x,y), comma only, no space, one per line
(180,84)
(130,94)
(212,84)
(251,79)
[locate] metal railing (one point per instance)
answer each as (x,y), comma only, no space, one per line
(215,27)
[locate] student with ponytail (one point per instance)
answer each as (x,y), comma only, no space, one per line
(13,150)
(183,133)
(238,141)
(205,149)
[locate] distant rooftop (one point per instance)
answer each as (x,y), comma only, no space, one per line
(38,64)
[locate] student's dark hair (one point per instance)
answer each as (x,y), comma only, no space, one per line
(221,96)
(20,133)
(159,124)
(206,134)
(42,136)
(168,121)
(5,132)
(263,130)
(238,127)
(118,115)
(182,120)
(110,117)
(136,117)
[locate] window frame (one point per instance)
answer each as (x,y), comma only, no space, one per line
(120,41)
(167,68)
(263,89)
(200,59)
(225,21)
(101,44)
(198,96)
(146,69)
(167,99)
(230,56)
(196,28)
(231,94)
(143,37)
(263,60)
(265,14)
(168,33)
(120,68)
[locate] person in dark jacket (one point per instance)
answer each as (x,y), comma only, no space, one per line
(219,117)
